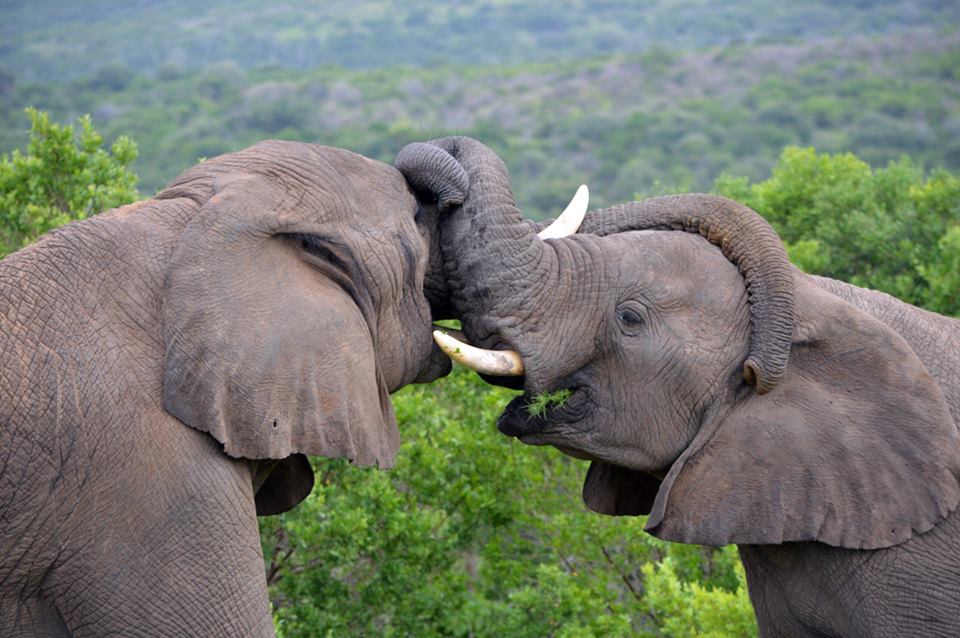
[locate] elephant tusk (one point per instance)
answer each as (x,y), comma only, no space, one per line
(571,217)
(496,363)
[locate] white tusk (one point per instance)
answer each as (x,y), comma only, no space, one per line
(497,363)
(571,218)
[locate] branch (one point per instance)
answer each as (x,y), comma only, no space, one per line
(623,577)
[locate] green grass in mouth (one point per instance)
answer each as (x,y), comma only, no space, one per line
(547,400)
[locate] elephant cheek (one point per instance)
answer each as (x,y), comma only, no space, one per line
(405,349)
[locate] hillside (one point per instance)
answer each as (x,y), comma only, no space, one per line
(51,40)
(625,123)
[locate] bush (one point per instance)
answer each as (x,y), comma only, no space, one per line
(63,176)
(892,229)
(474,534)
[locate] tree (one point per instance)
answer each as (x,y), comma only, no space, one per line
(63,176)
(893,229)
(474,534)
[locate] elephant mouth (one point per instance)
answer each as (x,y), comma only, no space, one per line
(433,366)
(528,415)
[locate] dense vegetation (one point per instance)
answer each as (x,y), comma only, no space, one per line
(473,534)
(64,175)
(49,38)
(622,123)
(891,229)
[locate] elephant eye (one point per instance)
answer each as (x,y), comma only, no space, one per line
(631,318)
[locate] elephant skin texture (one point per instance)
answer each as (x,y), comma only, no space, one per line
(269,299)
(833,464)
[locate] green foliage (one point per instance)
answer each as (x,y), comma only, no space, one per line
(63,176)
(548,400)
(474,534)
(892,229)
(689,609)
(618,122)
(42,38)
(942,275)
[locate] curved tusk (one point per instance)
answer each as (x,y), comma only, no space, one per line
(571,217)
(496,363)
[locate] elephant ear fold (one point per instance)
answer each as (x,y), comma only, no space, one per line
(856,447)
(290,481)
(269,349)
(619,491)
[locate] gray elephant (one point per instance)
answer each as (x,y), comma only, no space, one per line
(725,393)
(269,299)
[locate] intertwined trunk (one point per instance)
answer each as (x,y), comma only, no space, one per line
(495,265)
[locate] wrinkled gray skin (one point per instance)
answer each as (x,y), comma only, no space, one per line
(270,300)
(836,474)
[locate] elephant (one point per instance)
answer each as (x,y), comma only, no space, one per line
(722,392)
(165,368)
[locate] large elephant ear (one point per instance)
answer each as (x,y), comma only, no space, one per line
(268,351)
(856,448)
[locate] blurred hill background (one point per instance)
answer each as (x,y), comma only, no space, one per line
(628,97)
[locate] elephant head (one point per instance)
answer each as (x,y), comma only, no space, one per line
(720,391)
(166,367)
(293,304)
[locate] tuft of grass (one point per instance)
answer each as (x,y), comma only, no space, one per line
(547,400)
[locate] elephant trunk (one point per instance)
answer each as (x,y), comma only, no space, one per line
(485,243)
(747,240)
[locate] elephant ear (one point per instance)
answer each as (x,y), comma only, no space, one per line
(290,481)
(619,491)
(856,448)
(269,349)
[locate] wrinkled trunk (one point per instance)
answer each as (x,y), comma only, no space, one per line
(493,262)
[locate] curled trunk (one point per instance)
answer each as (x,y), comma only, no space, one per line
(485,244)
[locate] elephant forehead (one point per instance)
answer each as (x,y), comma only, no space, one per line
(315,190)
(675,264)
(363,180)
(367,196)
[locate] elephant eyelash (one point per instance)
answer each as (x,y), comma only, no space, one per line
(333,253)
(632,318)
